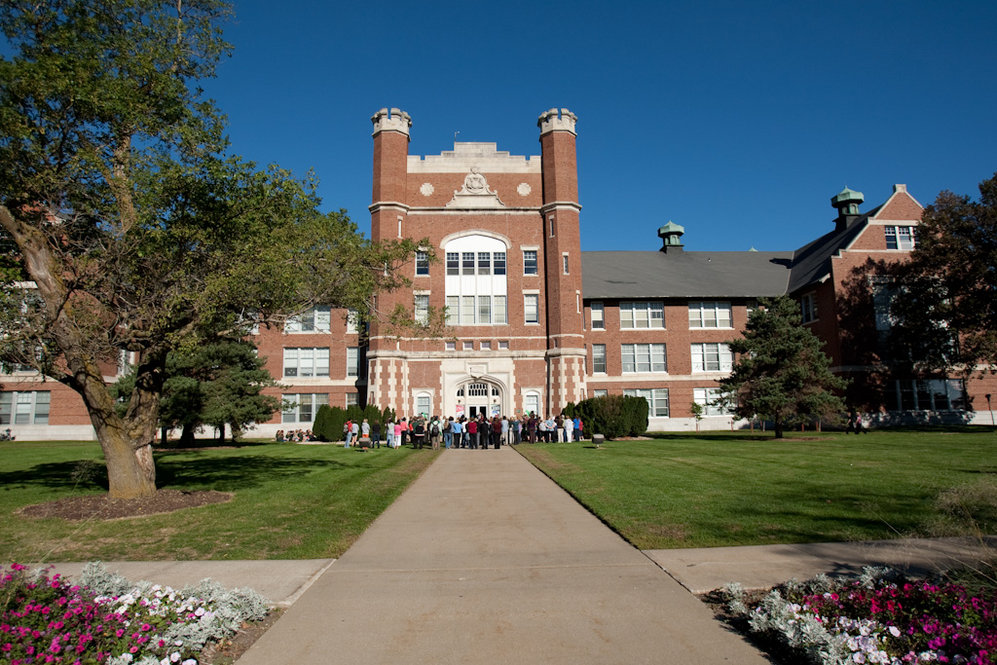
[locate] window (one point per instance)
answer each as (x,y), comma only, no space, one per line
(710,315)
(352,399)
(600,392)
(564,263)
(711,358)
(642,315)
(531,308)
(598,358)
(352,361)
(931,395)
(486,346)
(24,408)
(422,308)
(708,399)
(503,345)
(316,319)
(303,407)
(657,400)
(808,307)
(450,346)
(883,293)
(467,346)
(500,312)
(306,362)
(421,263)
(484,309)
(453,310)
(531,403)
(453,263)
(900,237)
(476,284)
(644,358)
(423,403)
(598,316)
(529,262)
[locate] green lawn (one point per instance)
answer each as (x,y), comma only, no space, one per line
(291,502)
(720,489)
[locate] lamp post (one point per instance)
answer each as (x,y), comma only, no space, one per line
(990,409)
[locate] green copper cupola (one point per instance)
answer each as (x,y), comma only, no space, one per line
(846,202)
(671,237)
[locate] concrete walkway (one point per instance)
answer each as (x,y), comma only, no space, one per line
(485,560)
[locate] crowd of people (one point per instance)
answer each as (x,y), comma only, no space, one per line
(476,433)
(294,436)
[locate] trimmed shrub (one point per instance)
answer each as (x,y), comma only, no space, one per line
(613,416)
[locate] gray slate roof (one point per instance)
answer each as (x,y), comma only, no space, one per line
(685,274)
(714,274)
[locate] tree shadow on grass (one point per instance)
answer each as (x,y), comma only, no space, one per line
(732,437)
(218,473)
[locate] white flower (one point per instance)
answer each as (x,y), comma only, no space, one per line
(175,656)
(894,631)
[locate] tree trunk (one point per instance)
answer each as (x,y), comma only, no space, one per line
(187,436)
(777,426)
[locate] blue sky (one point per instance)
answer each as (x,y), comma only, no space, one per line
(736,120)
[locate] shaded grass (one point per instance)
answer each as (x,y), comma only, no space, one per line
(722,489)
(291,502)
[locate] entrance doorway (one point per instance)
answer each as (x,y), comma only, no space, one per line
(479,397)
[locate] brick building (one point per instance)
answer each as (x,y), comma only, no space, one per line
(535,323)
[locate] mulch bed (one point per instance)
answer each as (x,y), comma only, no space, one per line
(101,506)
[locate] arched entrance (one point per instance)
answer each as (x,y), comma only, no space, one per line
(478,396)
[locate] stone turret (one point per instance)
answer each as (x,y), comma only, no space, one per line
(395,120)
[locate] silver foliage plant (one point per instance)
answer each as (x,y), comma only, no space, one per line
(207,610)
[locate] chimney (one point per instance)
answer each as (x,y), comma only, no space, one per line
(847,204)
(671,237)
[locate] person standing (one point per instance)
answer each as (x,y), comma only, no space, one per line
(505,430)
(448,433)
(418,432)
(472,433)
(496,432)
(398,434)
(457,430)
(347,433)
(569,430)
(354,433)
(365,431)
(389,432)
(375,434)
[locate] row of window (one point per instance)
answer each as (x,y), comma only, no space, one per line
(25,408)
(483,345)
(314,361)
(479,310)
(901,237)
(651,314)
(657,400)
(709,357)
(319,320)
(477,263)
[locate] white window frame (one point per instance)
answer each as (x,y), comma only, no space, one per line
(703,352)
(531,303)
(900,237)
(29,407)
(531,267)
(658,405)
(642,315)
(707,398)
(421,307)
(292,413)
(597,322)
(644,358)
(600,392)
(531,402)
(598,358)
(352,361)
(421,263)
(711,314)
(314,320)
(423,401)
(294,355)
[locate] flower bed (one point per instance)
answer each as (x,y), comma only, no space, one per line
(107,620)
(882,617)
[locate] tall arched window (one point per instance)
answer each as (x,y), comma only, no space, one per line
(476,281)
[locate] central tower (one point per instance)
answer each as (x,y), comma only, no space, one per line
(504,231)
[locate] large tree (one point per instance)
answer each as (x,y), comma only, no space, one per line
(127,227)
(781,373)
(944,308)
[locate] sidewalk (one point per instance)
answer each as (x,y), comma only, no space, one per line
(485,560)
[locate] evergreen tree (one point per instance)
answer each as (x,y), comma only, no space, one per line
(781,373)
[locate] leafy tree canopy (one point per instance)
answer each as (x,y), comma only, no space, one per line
(781,373)
(134,229)
(945,301)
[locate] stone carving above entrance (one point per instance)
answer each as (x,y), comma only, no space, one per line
(475,193)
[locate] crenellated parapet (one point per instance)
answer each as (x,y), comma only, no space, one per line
(557,120)
(394,120)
